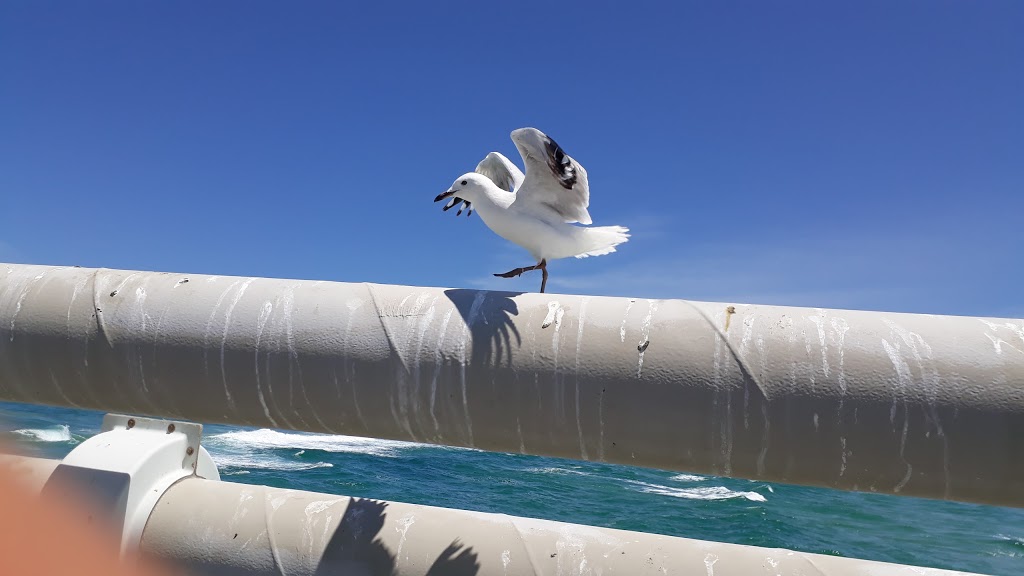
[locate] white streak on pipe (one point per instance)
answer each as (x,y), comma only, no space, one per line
(224,338)
(438,364)
(209,325)
(579,342)
(645,333)
(552,308)
(625,318)
(260,324)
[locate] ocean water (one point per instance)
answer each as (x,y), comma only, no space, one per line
(914,531)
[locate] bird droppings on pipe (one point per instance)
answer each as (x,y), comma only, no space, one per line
(748,329)
(579,342)
(552,310)
(645,330)
(261,323)
(438,364)
(729,311)
(625,317)
(403,529)
(709,563)
(224,337)
(819,324)
(1016,332)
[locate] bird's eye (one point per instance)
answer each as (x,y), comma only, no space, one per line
(464,182)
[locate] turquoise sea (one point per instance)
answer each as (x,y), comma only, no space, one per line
(914,531)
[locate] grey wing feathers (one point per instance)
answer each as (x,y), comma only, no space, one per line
(555,185)
(501,171)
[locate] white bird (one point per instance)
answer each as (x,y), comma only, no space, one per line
(536,210)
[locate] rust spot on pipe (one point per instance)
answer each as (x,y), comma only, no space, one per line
(729,311)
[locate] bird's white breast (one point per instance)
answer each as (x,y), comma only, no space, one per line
(540,238)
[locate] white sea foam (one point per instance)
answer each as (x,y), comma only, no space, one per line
(555,470)
(264,439)
(261,462)
(687,478)
(61,433)
(701,493)
(1015,540)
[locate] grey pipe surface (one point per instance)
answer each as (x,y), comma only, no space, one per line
(220,528)
(224,529)
(899,403)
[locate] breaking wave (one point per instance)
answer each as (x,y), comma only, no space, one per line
(272,439)
(244,463)
(60,433)
(555,470)
(687,478)
(702,493)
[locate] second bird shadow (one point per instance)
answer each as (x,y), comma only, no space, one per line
(489,316)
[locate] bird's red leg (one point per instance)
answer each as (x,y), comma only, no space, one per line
(543,267)
(516,272)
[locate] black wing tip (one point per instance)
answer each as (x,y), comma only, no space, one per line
(560,163)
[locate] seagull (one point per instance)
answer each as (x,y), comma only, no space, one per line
(538,210)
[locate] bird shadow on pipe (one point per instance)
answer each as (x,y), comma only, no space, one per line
(356,547)
(456,560)
(489,318)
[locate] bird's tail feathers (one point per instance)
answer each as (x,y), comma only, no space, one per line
(602,240)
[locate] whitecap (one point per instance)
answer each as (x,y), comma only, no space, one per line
(687,478)
(265,438)
(701,493)
(555,470)
(61,433)
(255,462)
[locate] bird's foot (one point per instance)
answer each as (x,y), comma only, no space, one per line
(514,273)
(542,266)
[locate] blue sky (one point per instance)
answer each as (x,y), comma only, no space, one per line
(861,155)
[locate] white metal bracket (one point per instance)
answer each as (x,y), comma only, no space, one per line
(128,466)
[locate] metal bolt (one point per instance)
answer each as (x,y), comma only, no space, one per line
(189,451)
(170,428)
(131,422)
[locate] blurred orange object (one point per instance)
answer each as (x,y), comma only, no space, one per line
(46,536)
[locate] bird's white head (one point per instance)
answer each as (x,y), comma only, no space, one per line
(469,187)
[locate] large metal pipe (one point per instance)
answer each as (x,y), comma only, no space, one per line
(201,527)
(912,404)
(220,528)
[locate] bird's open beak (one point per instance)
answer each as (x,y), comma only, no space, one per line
(444,195)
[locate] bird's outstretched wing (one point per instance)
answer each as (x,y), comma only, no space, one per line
(501,171)
(556,185)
